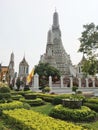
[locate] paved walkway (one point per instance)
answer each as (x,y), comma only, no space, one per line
(59,90)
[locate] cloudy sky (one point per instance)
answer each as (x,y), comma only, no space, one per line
(24,25)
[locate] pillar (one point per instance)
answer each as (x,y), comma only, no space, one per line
(71,82)
(93,80)
(50,82)
(62,85)
(36,81)
(87,82)
(79,82)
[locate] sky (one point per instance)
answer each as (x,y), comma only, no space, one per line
(24,25)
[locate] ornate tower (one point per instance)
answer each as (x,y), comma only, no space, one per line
(11,66)
(55,53)
(23,68)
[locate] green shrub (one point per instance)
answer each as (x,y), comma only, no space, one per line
(26,88)
(34,102)
(5,96)
(4,90)
(46,97)
(46,90)
(92,106)
(30,96)
(26,106)
(74,88)
(84,114)
(78,92)
(11,105)
(30,120)
(92,100)
(16,97)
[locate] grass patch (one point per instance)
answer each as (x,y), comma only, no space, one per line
(45,109)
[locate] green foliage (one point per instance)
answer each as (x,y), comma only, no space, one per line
(30,96)
(30,120)
(92,103)
(4,90)
(11,105)
(46,97)
(5,96)
(74,88)
(44,70)
(46,89)
(16,97)
(76,115)
(34,102)
(89,47)
(89,39)
(44,109)
(90,66)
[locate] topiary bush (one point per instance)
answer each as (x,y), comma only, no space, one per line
(83,114)
(16,97)
(4,90)
(46,97)
(30,96)
(34,102)
(5,95)
(92,103)
(23,119)
(11,105)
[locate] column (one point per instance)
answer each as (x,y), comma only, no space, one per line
(87,82)
(50,82)
(62,85)
(93,80)
(71,82)
(79,82)
(36,81)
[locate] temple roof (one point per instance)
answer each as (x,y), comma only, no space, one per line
(24,62)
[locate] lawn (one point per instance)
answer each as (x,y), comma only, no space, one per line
(44,109)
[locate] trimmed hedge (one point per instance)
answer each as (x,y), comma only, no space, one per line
(46,97)
(16,97)
(35,102)
(12,105)
(4,90)
(92,106)
(21,92)
(5,96)
(92,103)
(76,115)
(30,96)
(29,120)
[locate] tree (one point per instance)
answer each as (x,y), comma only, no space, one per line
(89,47)
(44,70)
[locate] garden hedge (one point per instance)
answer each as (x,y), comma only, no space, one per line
(34,102)
(84,114)
(24,119)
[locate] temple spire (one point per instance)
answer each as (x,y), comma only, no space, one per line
(55,20)
(49,37)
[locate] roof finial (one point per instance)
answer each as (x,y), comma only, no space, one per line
(55,9)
